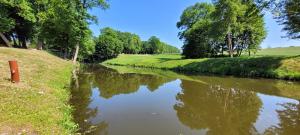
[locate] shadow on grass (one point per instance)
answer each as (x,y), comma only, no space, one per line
(161,60)
(246,67)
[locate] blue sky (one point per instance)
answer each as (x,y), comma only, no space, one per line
(159,17)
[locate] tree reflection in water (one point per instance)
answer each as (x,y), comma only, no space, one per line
(289,120)
(208,103)
(81,93)
(221,111)
(110,83)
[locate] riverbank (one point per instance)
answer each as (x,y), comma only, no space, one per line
(39,103)
(279,67)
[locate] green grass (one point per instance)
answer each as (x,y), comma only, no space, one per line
(281,67)
(281,51)
(39,103)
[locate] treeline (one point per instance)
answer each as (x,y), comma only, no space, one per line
(60,26)
(111,43)
(226,27)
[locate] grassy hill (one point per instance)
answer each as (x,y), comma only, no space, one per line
(280,51)
(39,103)
(267,66)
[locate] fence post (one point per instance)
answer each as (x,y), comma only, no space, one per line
(14,70)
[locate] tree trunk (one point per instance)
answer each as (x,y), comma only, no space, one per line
(222,50)
(14,39)
(230,45)
(40,45)
(75,78)
(76,53)
(249,52)
(65,53)
(23,42)
(5,40)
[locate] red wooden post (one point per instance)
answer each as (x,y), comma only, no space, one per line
(14,70)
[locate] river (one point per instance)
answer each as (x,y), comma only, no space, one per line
(134,101)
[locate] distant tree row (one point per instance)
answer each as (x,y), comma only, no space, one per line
(111,43)
(230,26)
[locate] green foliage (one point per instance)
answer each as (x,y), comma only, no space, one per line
(155,46)
(6,23)
(113,42)
(108,45)
(210,29)
(131,42)
(286,12)
(289,17)
(58,25)
(17,17)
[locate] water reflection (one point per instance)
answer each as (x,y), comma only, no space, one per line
(221,111)
(161,102)
(289,120)
(112,83)
(81,99)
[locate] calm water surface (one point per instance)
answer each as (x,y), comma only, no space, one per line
(124,101)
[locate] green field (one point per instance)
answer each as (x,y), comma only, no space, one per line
(268,66)
(39,103)
(282,51)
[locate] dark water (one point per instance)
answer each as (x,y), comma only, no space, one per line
(124,101)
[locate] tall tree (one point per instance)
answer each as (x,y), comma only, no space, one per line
(195,23)
(210,29)
(228,13)
(108,45)
(82,7)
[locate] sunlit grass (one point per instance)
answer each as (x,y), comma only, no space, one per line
(281,67)
(39,103)
(281,51)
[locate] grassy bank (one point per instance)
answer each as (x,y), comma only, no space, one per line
(39,104)
(280,51)
(280,67)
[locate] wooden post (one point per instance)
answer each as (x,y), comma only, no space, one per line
(14,70)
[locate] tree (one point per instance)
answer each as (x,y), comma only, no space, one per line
(82,8)
(227,14)
(108,45)
(253,32)
(17,18)
(155,45)
(289,16)
(286,12)
(59,26)
(210,29)
(196,24)
(131,42)
(6,23)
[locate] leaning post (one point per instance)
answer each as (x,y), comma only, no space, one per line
(14,70)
